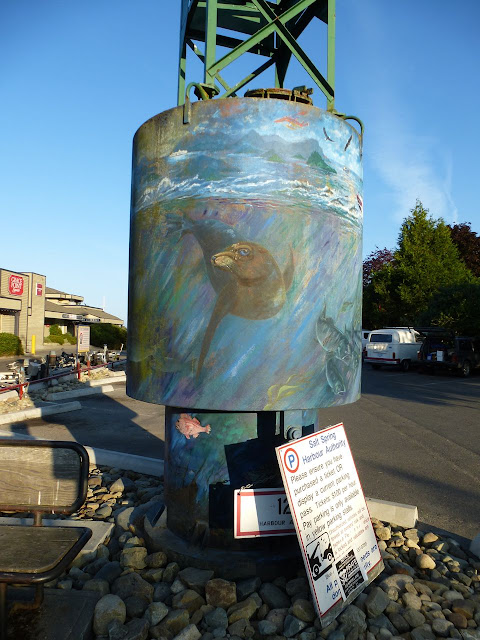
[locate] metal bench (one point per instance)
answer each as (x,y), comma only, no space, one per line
(39,476)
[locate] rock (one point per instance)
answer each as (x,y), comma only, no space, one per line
(104,512)
(173,623)
(221,593)
(420,633)
(132,584)
(244,609)
(412,601)
(425,561)
(441,627)
(156,560)
(195,578)
(274,596)
(107,609)
(429,537)
(153,575)
(414,617)
(397,581)
(177,586)
(99,586)
(452,595)
(292,626)
(134,557)
(465,607)
(399,622)
(383,533)
(123,517)
(188,599)
(155,613)
(382,621)
(122,485)
(109,572)
(411,534)
(217,618)
(303,609)
(296,586)
(170,572)
(266,628)
(137,629)
(238,628)
(161,592)
(190,632)
(136,606)
(458,619)
(376,602)
(277,618)
(337,634)
(353,618)
(246,587)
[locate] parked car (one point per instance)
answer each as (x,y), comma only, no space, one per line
(393,346)
(442,349)
(365,335)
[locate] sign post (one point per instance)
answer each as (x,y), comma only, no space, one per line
(331,518)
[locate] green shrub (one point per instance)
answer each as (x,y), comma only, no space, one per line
(110,334)
(55,339)
(55,330)
(69,338)
(10,345)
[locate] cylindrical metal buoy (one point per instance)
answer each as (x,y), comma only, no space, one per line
(245,263)
(245,297)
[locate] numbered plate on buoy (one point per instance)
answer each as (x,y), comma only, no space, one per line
(261,512)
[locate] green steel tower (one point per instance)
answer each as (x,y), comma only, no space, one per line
(267,29)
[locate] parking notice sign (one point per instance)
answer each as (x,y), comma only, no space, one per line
(331,518)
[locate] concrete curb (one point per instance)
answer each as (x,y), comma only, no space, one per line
(38,412)
(78,393)
(102,381)
(405,515)
(128,461)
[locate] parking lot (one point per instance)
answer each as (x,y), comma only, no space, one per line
(415,439)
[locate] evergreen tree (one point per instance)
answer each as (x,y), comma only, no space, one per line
(426,261)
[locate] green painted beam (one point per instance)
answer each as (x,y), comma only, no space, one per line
(259,36)
(210,40)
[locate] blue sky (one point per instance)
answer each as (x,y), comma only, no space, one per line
(78,79)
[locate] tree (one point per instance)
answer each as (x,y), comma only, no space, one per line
(374,262)
(457,308)
(468,245)
(426,261)
(398,288)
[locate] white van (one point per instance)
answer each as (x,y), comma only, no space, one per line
(393,346)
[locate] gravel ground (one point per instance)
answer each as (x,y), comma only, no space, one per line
(430,587)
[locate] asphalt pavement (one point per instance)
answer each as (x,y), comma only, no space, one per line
(414,438)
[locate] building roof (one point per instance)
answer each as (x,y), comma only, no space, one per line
(81,310)
(56,293)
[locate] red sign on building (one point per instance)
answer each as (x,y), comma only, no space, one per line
(15,285)
(39,288)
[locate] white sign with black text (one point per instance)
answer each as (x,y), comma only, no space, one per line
(261,512)
(331,518)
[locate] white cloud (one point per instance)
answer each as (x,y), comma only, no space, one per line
(412,167)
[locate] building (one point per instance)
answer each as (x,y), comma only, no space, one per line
(28,308)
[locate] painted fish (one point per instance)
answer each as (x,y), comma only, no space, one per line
(190,427)
(292,123)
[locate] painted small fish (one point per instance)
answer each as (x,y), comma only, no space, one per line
(292,123)
(190,427)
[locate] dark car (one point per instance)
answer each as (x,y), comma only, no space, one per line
(445,350)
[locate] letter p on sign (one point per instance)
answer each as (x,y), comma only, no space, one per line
(291,460)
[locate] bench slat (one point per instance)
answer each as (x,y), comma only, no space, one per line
(38,476)
(35,549)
